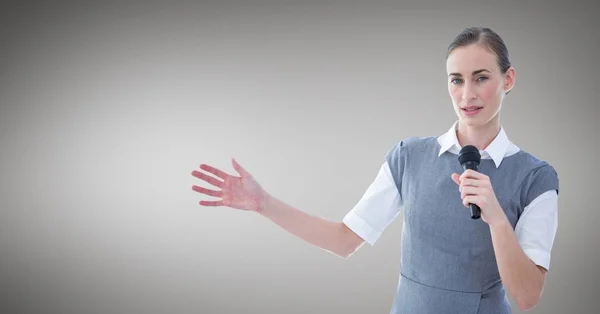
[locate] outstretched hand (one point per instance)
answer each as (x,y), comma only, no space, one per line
(240,192)
(476,188)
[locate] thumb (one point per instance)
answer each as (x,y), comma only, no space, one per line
(456,178)
(239,168)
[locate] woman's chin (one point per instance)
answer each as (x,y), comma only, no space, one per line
(472,121)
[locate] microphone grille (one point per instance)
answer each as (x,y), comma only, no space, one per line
(469,153)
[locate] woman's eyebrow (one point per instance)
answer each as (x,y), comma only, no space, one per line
(474,72)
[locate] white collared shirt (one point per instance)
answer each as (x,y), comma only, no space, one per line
(380,205)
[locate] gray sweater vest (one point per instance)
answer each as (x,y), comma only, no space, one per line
(447,259)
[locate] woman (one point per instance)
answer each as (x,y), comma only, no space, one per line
(450,263)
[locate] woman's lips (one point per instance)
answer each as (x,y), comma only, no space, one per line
(471,111)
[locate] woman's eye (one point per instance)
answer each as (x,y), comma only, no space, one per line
(482,78)
(455,81)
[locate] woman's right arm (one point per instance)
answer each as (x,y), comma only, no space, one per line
(332,236)
(245,193)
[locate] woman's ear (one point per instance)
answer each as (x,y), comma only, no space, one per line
(509,80)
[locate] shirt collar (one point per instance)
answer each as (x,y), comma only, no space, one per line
(496,150)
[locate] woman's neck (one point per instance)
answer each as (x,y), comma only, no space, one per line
(478,136)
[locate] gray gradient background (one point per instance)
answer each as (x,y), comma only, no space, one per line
(107,108)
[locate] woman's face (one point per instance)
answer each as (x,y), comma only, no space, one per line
(476,85)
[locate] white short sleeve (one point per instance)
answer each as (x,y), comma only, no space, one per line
(537,227)
(377,208)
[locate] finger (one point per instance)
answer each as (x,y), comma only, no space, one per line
(473,199)
(214,171)
(211,203)
(470,199)
(207,191)
(470,182)
(239,168)
(470,173)
(207,178)
(456,178)
(469,190)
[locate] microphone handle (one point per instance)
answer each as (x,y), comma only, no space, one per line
(475,210)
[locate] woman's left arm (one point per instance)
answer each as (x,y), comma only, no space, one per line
(523,279)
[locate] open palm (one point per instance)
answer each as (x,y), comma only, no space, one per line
(240,192)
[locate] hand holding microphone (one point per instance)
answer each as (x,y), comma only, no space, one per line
(476,188)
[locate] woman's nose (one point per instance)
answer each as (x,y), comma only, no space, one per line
(469,92)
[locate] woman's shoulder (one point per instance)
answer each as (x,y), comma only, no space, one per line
(537,175)
(536,172)
(527,159)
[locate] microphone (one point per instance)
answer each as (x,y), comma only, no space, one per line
(469,158)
